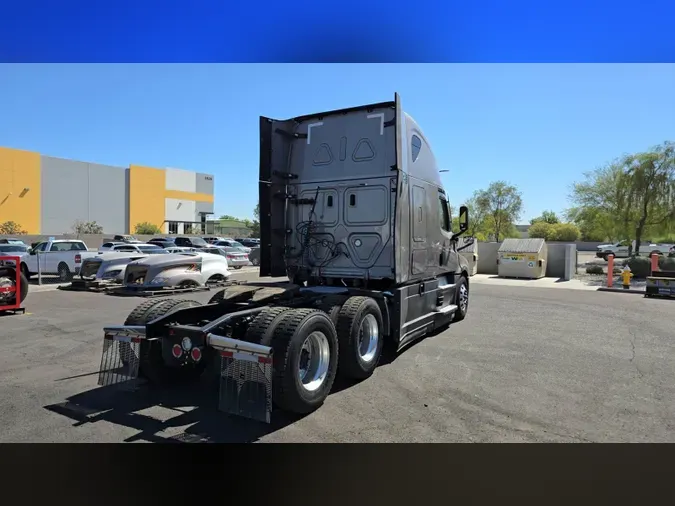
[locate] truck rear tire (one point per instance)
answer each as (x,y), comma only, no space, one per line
(306,350)
(360,336)
(137,316)
(332,305)
(262,327)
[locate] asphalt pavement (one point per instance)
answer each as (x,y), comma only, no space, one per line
(527,365)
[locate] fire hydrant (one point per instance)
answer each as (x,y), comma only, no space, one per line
(626,274)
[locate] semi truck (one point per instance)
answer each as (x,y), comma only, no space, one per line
(355,222)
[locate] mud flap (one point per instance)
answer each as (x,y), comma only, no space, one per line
(246,385)
(119,361)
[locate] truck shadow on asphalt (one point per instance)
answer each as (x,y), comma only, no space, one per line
(196,419)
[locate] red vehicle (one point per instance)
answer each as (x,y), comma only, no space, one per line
(13,284)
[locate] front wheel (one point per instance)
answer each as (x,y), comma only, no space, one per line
(462,299)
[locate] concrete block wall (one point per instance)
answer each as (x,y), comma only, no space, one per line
(487,257)
(560,256)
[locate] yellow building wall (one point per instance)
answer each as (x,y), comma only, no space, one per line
(179,195)
(146,196)
(20,188)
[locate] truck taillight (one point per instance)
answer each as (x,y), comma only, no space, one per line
(78,258)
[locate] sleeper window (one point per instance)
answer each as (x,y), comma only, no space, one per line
(415,147)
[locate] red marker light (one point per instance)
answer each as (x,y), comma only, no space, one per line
(177,351)
(196,354)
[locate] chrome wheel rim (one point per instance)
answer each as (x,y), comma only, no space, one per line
(63,272)
(313,362)
(369,336)
(463,297)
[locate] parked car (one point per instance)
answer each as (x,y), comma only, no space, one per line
(180,249)
(233,244)
(190,242)
(163,242)
(248,242)
(13,249)
(189,269)
(10,240)
(126,238)
(109,266)
(109,245)
(149,249)
(62,257)
(213,239)
(623,249)
(254,256)
(235,258)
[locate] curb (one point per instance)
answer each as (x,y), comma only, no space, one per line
(621,290)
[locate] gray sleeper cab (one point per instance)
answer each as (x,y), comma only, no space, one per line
(353,198)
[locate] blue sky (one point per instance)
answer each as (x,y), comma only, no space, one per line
(537,126)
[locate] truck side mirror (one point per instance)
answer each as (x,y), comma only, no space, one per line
(463,219)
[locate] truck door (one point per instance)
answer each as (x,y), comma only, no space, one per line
(446,256)
(418,246)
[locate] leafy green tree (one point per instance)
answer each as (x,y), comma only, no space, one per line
(499,206)
(646,190)
(540,230)
(147,228)
(547,217)
(11,228)
(254,225)
(631,198)
(567,232)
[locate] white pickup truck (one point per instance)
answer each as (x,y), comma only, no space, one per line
(62,257)
(622,249)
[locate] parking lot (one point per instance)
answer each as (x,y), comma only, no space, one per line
(528,364)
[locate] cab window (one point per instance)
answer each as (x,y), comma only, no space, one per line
(444,213)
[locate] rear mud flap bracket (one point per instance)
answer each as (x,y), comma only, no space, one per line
(246,385)
(120,360)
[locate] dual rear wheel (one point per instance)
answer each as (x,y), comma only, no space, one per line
(313,345)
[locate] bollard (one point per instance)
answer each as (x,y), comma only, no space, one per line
(610,270)
(39,269)
(655,262)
